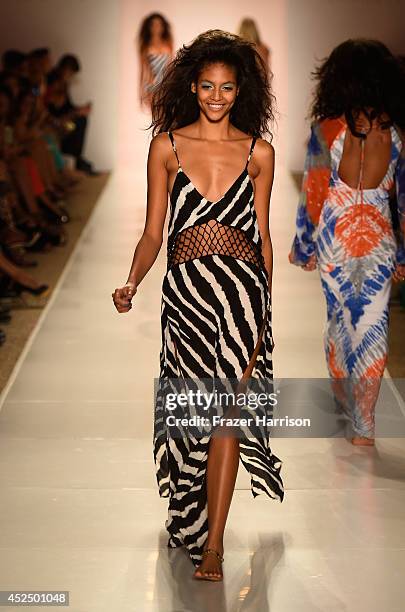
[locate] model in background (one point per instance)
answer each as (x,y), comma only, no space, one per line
(354,161)
(249,31)
(208,114)
(155,45)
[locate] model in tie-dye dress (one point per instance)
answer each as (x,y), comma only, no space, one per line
(350,232)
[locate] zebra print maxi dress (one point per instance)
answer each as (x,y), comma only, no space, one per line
(215,303)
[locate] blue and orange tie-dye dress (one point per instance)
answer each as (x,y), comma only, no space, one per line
(356,252)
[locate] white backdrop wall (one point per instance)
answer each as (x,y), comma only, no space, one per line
(315,27)
(88,29)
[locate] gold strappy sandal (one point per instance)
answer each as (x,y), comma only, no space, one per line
(205,575)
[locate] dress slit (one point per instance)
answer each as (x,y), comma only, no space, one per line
(258,348)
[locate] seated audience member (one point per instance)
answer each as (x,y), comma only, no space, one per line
(23,220)
(15,62)
(29,135)
(61,106)
(39,61)
(38,124)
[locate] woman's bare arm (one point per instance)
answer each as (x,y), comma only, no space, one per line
(151,240)
(148,247)
(145,74)
(264,160)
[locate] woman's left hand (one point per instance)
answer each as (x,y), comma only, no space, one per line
(399,273)
(311,264)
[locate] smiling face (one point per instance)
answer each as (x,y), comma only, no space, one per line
(216,90)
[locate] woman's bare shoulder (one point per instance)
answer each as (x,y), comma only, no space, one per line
(161,141)
(160,146)
(264,151)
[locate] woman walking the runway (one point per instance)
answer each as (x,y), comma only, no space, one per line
(355,160)
(249,31)
(213,105)
(155,44)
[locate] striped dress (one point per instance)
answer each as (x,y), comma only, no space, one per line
(351,232)
(158,63)
(215,303)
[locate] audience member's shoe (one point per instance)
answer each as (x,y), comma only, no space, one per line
(56,234)
(85,166)
(32,238)
(17,296)
(41,290)
(17,255)
(92,172)
(42,245)
(26,300)
(53,211)
(31,231)
(5,315)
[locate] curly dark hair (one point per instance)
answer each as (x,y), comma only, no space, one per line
(174,105)
(145,34)
(359,75)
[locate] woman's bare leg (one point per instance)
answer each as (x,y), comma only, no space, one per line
(24,185)
(17,274)
(40,153)
(222,469)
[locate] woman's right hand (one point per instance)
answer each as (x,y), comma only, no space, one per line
(122,297)
(399,273)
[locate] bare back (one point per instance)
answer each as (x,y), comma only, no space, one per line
(377,157)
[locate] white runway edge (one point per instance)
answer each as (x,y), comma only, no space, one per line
(80,509)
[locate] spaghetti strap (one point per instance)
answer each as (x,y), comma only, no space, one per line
(174,146)
(252,146)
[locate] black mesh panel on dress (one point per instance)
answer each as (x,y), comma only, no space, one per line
(213,238)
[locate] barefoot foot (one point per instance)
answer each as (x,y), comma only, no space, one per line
(362,441)
(210,567)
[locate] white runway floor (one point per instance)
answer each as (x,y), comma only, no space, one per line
(80,508)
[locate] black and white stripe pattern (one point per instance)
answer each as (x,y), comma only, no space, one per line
(212,311)
(158,63)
